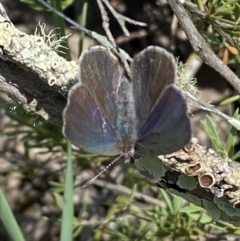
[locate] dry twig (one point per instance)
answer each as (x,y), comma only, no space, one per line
(201,47)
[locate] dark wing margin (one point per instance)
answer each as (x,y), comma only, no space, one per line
(85,126)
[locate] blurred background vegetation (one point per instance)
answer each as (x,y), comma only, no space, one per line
(33,152)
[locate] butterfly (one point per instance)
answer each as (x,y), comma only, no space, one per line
(112,115)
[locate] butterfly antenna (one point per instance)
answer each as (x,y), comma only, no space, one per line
(100,173)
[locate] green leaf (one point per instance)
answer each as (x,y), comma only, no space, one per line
(213,135)
(191,208)
(232,137)
(83,23)
(58,200)
(234,122)
(77,231)
(235,156)
(67,215)
(212,39)
(236,12)
(56,184)
(38,6)
(177,203)
(166,197)
(152,165)
(230,100)
(8,220)
(205,219)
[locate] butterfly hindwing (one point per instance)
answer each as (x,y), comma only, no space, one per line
(167,129)
(85,126)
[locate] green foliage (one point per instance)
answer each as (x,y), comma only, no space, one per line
(39,7)
(231,140)
(226,149)
(220,25)
(8,220)
(153,222)
(83,23)
(67,211)
(126,217)
(230,100)
(211,131)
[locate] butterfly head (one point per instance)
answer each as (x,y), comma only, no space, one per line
(127,151)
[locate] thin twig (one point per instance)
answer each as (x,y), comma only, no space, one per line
(105,221)
(207,107)
(201,47)
(133,35)
(105,25)
(193,64)
(98,37)
(174,26)
(122,189)
(105,22)
(122,19)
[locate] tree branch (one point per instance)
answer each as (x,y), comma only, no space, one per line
(202,177)
(28,70)
(201,47)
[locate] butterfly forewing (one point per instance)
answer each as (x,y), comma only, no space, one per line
(152,71)
(85,126)
(100,72)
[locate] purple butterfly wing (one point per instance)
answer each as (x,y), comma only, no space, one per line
(163,126)
(167,129)
(85,126)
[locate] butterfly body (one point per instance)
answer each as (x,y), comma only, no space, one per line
(111,115)
(126,127)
